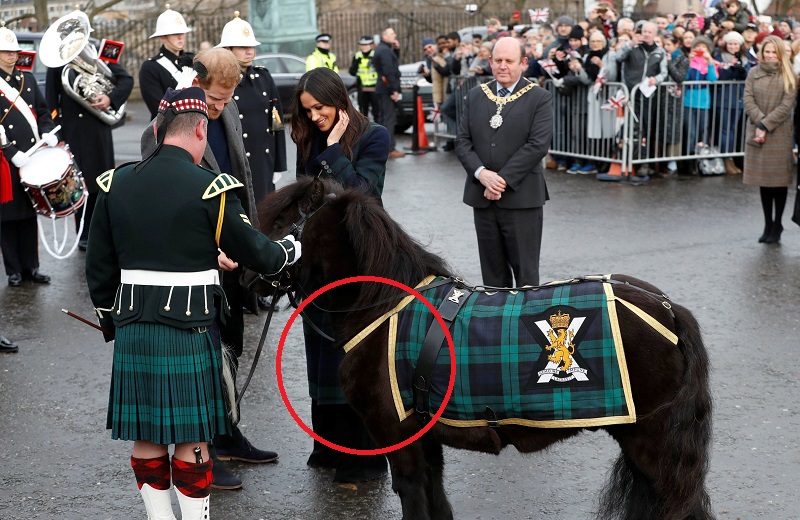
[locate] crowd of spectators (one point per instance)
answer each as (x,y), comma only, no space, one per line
(720,45)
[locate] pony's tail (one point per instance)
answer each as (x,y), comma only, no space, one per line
(677,491)
(683,474)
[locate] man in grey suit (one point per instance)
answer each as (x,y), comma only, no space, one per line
(504,134)
(218,74)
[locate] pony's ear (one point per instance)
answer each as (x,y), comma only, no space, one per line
(313,197)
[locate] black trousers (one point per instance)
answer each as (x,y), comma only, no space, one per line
(509,241)
(19,242)
(387,115)
(367,100)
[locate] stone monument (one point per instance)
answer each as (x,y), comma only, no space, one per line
(284,25)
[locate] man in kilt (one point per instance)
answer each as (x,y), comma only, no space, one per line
(152,270)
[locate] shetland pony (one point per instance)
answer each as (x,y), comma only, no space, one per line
(661,469)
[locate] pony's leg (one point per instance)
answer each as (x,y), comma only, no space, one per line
(410,479)
(438,504)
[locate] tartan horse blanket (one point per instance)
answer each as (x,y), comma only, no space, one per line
(549,357)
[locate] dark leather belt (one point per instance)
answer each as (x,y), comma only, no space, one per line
(432,344)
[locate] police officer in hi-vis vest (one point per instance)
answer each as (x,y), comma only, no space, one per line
(260,109)
(362,69)
(322,55)
(163,70)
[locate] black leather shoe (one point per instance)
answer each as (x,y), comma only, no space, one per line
(82,244)
(39,277)
(7,346)
(775,235)
(15,280)
(222,478)
(237,447)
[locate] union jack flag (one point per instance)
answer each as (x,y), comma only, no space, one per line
(434,115)
(549,66)
(539,15)
(614,103)
(599,81)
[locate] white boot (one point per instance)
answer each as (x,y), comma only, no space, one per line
(158,503)
(192,508)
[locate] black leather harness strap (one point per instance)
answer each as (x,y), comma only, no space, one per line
(434,338)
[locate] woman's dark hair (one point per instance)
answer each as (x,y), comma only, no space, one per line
(327,87)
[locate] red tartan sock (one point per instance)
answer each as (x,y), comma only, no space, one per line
(192,479)
(154,472)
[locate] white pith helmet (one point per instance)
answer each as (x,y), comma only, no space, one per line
(170,22)
(238,33)
(8,40)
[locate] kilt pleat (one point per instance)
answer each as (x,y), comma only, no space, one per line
(166,386)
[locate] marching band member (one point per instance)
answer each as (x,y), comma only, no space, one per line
(152,271)
(259,108)
(163,70)
(89,138)
(23,118)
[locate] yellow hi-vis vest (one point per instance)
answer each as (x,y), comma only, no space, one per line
(366,72)
(318,59)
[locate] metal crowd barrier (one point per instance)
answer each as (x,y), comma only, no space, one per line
(445,127)
(693,120)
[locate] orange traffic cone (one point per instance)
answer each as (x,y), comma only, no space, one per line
(422,136)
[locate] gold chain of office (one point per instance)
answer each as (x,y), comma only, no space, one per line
(497,120)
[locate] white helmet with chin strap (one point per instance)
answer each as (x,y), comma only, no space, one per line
(238,33)
(8,40)
(170,22)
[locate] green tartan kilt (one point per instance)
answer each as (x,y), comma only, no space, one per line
(166,386)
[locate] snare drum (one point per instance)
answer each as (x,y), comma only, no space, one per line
(53,182)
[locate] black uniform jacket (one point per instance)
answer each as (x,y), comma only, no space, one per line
(88,137)
(514,150)
(164,218)
(154,79)
(21,138)
(255,97)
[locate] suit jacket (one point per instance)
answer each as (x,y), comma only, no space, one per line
(89,139)
(514,150)
(239,163)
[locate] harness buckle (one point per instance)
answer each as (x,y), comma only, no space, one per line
(421,399)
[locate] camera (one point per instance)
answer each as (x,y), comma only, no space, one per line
(471,8)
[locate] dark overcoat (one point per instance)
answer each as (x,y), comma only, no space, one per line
(21,137)
(255,96)
(88,137)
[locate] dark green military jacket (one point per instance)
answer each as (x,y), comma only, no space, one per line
(164,218)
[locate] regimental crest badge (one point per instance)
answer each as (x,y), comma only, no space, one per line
(559,330)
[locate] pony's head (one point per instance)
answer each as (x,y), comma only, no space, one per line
(345,233)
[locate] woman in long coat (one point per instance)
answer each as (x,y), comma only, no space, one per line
(769,98)
(335,141)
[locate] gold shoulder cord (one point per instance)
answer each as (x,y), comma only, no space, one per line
(219,218)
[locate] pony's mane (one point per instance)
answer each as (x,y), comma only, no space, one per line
(380,246)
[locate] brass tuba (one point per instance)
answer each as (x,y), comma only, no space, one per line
(84,76)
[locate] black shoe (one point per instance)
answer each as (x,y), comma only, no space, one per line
(775,235)
(222,478)
(449,146)
(82,244)
(767,230)
(38,277)
(7,346)
(237,447)
(14,280)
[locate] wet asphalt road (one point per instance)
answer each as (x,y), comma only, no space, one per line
(695,238)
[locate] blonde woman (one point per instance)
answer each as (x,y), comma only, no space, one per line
(769,98)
